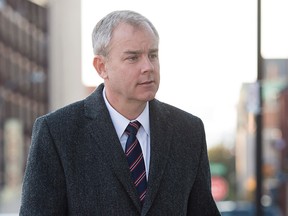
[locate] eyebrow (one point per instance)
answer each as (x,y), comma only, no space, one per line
(137,52)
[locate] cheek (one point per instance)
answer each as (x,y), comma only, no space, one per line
(157,72)
(124,75)
(120,78)
(114,72)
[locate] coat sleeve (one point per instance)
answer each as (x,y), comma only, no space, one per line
(43,191)
(201,201)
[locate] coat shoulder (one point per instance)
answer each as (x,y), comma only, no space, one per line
(64,121)
(65,114)
(175,114)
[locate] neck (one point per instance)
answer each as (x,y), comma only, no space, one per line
(130,112)
(129,109)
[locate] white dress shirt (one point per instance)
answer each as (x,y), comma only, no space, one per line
(120,123)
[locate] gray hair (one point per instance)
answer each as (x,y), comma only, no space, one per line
(103,30)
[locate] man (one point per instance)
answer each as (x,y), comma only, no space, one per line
(85,160)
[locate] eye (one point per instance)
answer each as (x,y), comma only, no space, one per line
(153,56)
(132,58)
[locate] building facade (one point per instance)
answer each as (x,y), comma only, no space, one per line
(40,71)
(274,114)
(23,83)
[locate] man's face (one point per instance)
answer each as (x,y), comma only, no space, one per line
(132,65)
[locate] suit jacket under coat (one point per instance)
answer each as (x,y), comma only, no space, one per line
(76,165)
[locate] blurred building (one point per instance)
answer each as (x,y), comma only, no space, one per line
(23,86)
(245,139)
(275,118)
(40,71)
(283,146)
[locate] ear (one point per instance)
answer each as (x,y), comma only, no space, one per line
(99,64)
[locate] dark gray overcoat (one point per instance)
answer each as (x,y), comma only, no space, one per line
(76,165)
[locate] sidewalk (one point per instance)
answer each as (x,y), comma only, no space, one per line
(9,206)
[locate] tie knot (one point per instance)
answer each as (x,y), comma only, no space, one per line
(133,127)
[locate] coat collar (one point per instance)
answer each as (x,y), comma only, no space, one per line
(160,131)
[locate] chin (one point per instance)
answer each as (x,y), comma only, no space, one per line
(149,97)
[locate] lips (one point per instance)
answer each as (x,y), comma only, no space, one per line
(147,82)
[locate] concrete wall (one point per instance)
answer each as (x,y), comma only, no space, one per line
(65,84)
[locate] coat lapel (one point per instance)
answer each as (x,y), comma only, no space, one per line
(108,143)
(161,135)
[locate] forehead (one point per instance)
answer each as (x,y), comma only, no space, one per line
(127,34)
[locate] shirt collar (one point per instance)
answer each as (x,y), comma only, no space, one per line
(120,122)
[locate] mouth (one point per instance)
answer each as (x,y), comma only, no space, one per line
(147,82)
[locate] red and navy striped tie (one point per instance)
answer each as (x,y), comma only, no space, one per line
(135,160)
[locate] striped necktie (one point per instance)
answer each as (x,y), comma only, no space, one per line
(135,160)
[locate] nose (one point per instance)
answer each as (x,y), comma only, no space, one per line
(147,65)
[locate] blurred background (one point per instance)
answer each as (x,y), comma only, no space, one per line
(212,65)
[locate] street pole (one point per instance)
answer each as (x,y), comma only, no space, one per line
(259,125)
